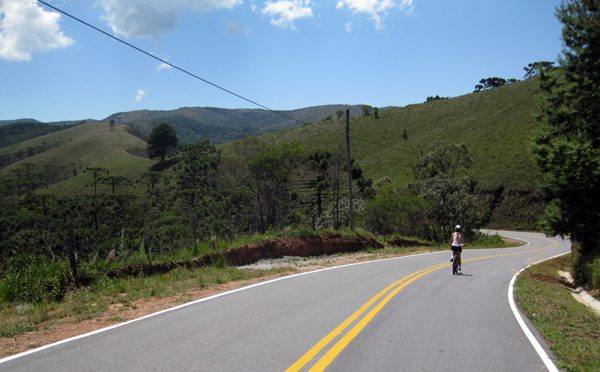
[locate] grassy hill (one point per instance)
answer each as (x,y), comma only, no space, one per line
(497,126)
(87,145)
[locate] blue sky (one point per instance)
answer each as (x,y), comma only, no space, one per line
(284,54)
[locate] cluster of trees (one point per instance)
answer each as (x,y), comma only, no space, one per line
(26,178)
(532,69)
(440,197)
(435,98)
(492,83)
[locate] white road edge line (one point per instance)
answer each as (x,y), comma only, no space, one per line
(534,342)
(12,357)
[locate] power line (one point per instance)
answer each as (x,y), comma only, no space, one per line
(168,63)
(203,79)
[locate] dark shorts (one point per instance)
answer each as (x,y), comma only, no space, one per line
(456,248)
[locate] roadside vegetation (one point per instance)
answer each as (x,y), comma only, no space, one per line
(571,330)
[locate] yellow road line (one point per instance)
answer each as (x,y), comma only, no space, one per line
(350,335)
(339,329)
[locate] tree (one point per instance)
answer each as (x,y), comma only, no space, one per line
(271,171)
(318,163)
(567,149)
(97,177)
(435,98)
(395,209)
(196,183)
(440,180)
(366,110)
(536,68)
(443,159)
(162,139)
(114,181)
(492,82)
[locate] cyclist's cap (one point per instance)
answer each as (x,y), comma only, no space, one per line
(457,227)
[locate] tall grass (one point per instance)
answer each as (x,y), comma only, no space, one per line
(37,282)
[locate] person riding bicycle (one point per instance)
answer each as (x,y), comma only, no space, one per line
(456,243)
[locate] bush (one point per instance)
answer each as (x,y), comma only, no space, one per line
(39,281)
(591,273)
(395,209)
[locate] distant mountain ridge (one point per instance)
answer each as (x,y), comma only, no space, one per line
(220,125)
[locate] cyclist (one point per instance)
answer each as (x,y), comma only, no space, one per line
(456,243)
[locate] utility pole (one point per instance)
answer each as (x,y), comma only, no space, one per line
(350,201)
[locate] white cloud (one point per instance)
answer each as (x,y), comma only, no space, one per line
(163,66)
(348,27)
(142,18)
(140,94)
(285,12)
(377,10)
(26,28)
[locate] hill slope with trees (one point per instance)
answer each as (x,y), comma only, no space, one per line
(223,125)
(497,126)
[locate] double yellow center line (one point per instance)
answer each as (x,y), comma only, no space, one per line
(387,294)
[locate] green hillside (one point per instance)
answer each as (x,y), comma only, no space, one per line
(497,126)
(87,145)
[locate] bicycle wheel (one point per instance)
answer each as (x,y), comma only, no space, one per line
(455,265)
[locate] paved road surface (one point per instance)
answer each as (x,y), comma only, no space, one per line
(426,320)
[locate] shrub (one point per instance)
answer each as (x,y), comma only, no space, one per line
(39,281)
(591,272)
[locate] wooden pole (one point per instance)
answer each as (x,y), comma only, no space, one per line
(350,200)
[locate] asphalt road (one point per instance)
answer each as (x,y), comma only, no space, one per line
(426,320)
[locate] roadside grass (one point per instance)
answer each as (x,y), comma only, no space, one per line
(571,330)
(210,246)
(482,241)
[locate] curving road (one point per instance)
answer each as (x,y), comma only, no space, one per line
(402,314)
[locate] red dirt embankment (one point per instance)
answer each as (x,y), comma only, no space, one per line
(302,246)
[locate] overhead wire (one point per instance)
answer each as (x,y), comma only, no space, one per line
(206,81)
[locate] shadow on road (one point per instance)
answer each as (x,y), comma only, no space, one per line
(462,274)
